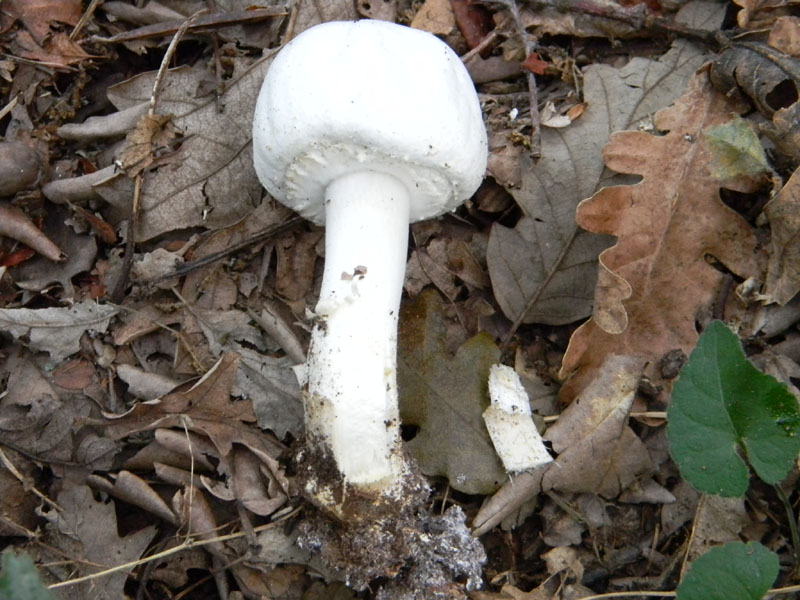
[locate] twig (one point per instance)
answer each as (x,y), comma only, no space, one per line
(631,595)
(87,14)
(205,23)
(488,39)
(185,545)
(638,17)
(10,106)
(633,415)
(268,233)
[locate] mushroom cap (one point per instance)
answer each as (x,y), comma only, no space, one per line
(372,96)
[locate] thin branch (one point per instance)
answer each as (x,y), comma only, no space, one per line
(185,545)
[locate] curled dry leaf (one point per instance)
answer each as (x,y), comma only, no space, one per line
(769,78)
(665,225)
(206,408)
(16,225)
(192,188)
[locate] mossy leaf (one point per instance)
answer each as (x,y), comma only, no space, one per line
(445,396)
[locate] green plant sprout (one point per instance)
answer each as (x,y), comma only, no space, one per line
(725,418)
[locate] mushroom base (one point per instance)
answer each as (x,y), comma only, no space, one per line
(324,486)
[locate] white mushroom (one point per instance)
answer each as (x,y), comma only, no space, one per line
(364,126)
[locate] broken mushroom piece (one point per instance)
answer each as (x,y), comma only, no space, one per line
(510,423)
(364,126)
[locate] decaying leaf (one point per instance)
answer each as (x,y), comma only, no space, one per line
(445,396)
(783,272)
(665,225)
(80,250)
(785,36)
(597,451)
(56,331)
(716,521)
(543,270)
(435,16)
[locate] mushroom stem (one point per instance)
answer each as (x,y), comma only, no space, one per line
(351,401)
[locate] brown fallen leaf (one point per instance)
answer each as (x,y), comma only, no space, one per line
(56,330)
(56,51)
(136,491)
(16,225)
(20,167)
(80,249)
(783,272)
(194,188)
(37,15)
(716,521)
(435,16)
(17,504)
(665,225)
(152,134)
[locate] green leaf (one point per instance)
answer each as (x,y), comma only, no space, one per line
(19,579)
(724,412)
(735,571)
(737,150)
(445,396)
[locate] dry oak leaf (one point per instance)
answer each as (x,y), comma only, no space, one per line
(85,530)
(544,269)
(666,225)
(783,273)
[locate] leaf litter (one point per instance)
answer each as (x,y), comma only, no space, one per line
(179,406)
